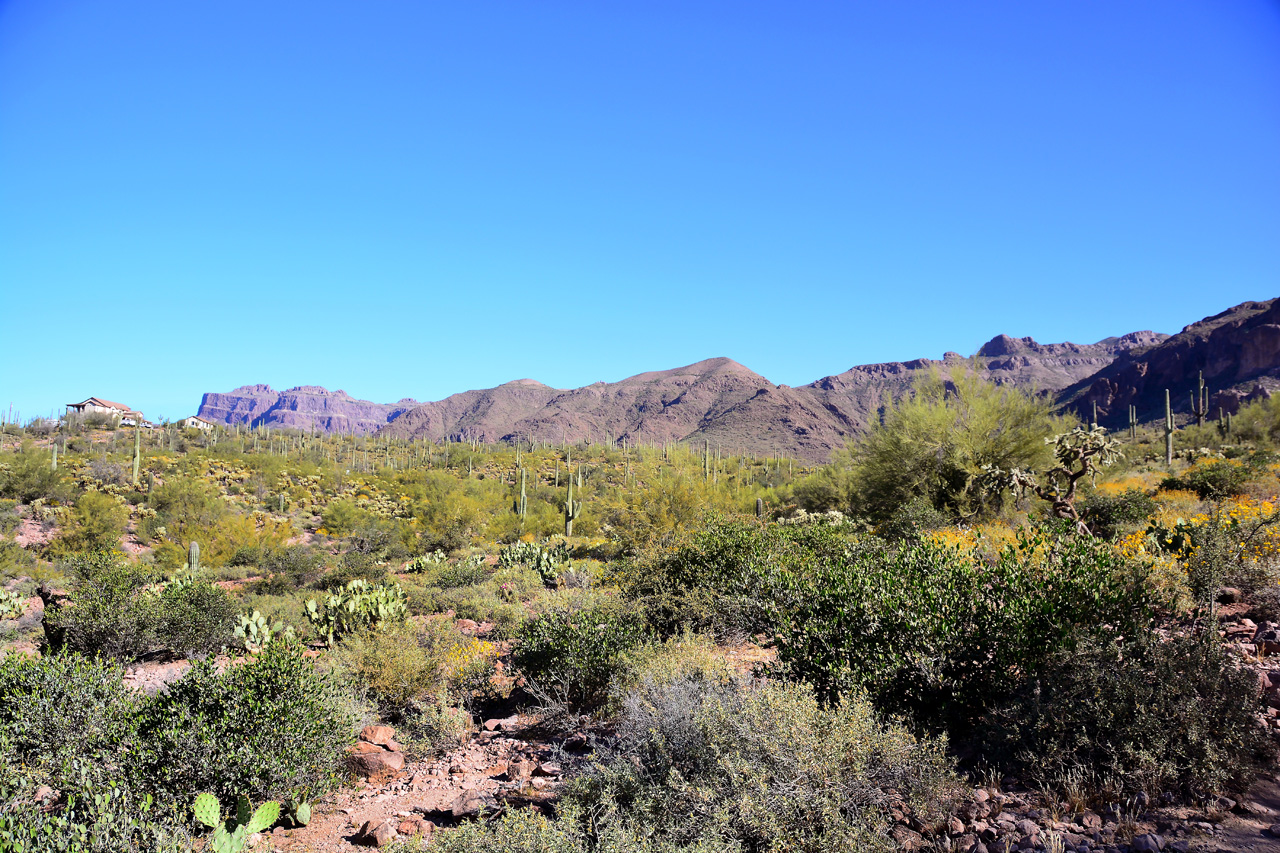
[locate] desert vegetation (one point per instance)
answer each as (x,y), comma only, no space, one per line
(981,623)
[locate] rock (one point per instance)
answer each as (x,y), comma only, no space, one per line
(44,795)
(980,795)
(907,839)
(376,833)
(378,767)
(955,826)
(965,843)
(467,626)
(549,769)
(416,826)
(1274,829)
(1148,842)
(520,769)
(471,803)
(381,735)
(1224,804)
(1090,820)
(1027,828)
(1229,595)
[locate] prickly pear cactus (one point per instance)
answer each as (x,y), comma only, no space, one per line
(356,607)
(254,631)
(244,824)
(12,605)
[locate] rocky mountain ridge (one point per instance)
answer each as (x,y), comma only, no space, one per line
(721,401)
(716,400)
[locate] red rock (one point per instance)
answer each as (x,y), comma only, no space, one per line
(416,826)
(381,735)
(376,833)
(378,767)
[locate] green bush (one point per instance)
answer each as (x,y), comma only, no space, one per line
(97,817)
(27,476)
(910,521)
(118,609)
(65,706)
(1109,515)
(573,655)
(341,517)
(1212,481)
(1143,716)
(938,634)
(727,579)
(265,729)
(934,446)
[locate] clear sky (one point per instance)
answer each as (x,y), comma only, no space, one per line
(409,199)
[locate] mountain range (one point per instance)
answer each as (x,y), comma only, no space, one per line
(727,404)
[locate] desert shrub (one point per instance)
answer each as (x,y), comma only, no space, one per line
(573,655)
(913,519)
(1148,715)
(1108,515)
(264,729)
(96,817)
(725,579)
(458,574)
(97,522)
(341,517)
(118,610)
(398,666)
(286,568)
(14,559)
(27,476)
(10,518)
(66,706)
(937,633)
(1211,481)
(185,506)
(782,771)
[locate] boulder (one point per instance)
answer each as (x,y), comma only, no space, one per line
(376,833)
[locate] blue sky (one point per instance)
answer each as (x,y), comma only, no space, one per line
(416,198)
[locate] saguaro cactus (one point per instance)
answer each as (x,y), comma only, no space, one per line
(193,557)
(572,509)
(1200,401)
(1168,430)
(521,506)
(137,447)
(54,463)
(759,507)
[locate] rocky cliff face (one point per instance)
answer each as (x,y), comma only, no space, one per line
(1238,352)
(306,407)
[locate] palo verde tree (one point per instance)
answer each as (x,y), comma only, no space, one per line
(936,445)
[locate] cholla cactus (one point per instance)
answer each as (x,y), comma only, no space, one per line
(243,825)
(1079,453)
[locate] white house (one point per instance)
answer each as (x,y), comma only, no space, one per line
(197,422)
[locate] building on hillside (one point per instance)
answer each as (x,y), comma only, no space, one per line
(197,422)
(98,406)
